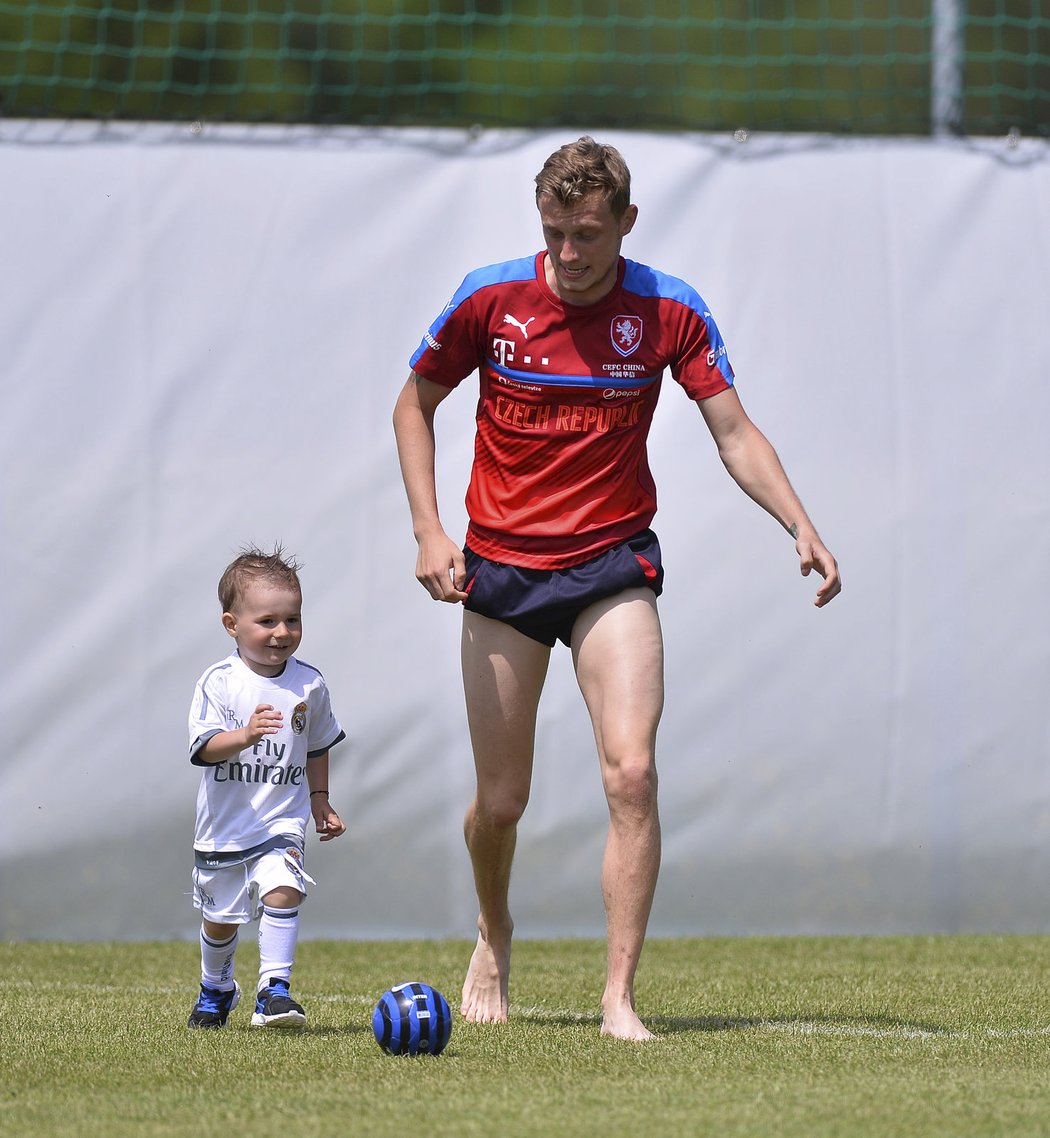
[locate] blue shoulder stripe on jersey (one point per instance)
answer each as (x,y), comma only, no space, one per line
(547,379)
(520,269)
(647,281)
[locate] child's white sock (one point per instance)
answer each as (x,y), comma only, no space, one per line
(278,935)
(217,961)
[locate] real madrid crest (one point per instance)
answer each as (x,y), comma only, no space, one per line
(299,718)
(626,333)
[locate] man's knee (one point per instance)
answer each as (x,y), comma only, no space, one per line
(631,784)
(498,810)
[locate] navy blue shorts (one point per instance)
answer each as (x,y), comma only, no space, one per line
(544,603)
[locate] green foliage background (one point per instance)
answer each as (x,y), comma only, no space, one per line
(846,66)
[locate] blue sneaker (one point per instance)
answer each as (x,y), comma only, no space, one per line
(213,1006)
(275,1008)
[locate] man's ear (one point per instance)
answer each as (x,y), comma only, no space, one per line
(229,622)
(630,216)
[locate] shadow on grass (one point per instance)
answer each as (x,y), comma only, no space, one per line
(818,1024)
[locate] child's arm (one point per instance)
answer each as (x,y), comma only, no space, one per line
(225,744)
(326,821)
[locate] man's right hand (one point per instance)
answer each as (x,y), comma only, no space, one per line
(441,569)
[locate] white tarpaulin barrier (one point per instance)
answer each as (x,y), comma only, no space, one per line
(202,337)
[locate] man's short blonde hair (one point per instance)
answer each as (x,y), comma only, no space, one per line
(579,169)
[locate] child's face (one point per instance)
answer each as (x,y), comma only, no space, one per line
(267,624)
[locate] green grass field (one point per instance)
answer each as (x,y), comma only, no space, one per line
(891,1037)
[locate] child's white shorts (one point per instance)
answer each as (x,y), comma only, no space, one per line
(232,894)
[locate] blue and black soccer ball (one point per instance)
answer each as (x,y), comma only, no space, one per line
(412,1019)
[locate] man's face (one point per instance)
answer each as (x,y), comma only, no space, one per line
(267,624)
(583,246)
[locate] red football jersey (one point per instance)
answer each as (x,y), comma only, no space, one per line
(567,395)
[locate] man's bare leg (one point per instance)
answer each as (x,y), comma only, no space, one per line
(618,655)
(503,674)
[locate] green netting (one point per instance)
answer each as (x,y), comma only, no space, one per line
(845,66)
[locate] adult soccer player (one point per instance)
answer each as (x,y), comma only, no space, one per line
(570,345)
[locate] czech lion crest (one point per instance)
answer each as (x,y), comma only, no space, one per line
(626,332)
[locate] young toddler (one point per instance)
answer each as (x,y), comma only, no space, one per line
(261,727)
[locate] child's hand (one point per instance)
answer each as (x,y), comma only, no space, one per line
(326,821)
(265,720)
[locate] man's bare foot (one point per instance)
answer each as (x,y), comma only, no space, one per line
(485,990)
(620,1021)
